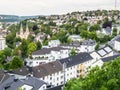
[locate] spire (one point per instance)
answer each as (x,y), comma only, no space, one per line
(21,29)
(27,29)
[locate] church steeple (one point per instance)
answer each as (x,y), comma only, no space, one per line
(27,29)
(21,29)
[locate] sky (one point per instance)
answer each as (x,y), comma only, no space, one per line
(48,7)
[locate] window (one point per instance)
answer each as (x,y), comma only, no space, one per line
(57,78)
(50,78)
(61,77)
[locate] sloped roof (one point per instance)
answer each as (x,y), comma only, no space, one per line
(46,69)
(77,59)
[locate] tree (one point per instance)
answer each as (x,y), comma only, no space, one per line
(30,38)
(35,27)
(10,39)
(97,46)
(95,27)
(7,52)
(62,36)
(24,48)
(73,52)
(39,45)
(106,77)
(31,47)
(16,63)
(16,52)
(114,32)
(2,57)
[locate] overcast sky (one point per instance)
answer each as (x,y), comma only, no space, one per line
(47,7)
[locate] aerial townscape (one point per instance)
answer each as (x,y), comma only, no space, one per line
(74,51)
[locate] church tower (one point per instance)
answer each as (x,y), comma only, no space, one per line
(27,32)
(21,29)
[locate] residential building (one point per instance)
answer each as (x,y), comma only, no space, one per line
(54,43)
(51,54)
(2,43)
(75,38)
(102,53)
(54,74)
(28,83)
(117,44)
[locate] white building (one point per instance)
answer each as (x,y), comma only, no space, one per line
(36,62)
(102,53)
(46,55)
(2,43)
(54,74)
(107,31)
(51,54)
(28,83)
(84,46)
(54,43)
(75,38)
(117,44)
(88,46)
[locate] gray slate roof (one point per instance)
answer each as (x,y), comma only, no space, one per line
(21,71)
(13,84)
(118,39)
(110,58)
(47,50)
(77,59)
(46,69)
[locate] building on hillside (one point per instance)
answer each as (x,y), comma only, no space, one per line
(51,54)
(28,83)
(112,42)
(2,43)
(23,34)
(54,43)
(54,74)
(101,61)
(75,38)
(117,44)
(84,46)
(102,53)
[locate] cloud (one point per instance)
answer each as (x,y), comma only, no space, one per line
(43,7)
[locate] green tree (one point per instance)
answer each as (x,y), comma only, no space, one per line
(73,52)
(16,63)
(39,45)
(114,32)
(97,46)
(31,47)
(7,52)
(95,27)
(2,57)
(10,39)
(24,48)
(106,77)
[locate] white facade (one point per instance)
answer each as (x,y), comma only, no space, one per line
(87,48)
(53,55)
(117,45)
(35,62)
(58,77)
(102,53)
(75,38)
(2,43)
(54,43)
